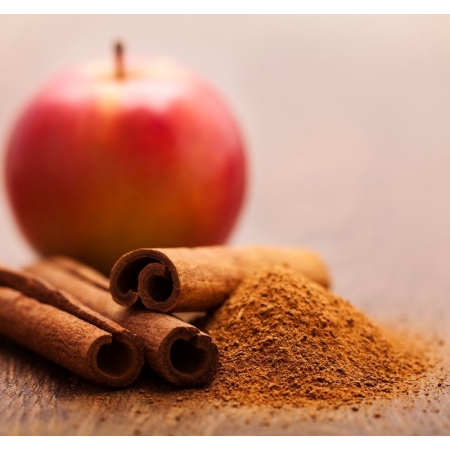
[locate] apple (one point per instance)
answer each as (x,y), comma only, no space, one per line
(110,157)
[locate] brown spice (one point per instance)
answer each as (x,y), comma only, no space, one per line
(284,340)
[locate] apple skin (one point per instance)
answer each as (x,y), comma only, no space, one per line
(98,165)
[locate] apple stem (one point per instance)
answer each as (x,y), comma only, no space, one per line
(118,54)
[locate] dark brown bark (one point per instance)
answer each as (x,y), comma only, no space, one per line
(200,279)
(57,326)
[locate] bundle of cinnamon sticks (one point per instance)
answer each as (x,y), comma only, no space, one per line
(106,330)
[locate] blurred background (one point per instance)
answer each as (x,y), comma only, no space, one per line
(346,120)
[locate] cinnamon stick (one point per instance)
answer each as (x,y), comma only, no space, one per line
(175,350)
(201,278)
(55,325)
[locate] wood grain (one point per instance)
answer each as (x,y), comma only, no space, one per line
(39,398)
(365,183)
(390,259)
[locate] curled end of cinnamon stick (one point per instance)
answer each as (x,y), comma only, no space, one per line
(147,276)
(77,338)
(191,357)
(113,361)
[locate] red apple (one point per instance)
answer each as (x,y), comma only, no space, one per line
(108,159)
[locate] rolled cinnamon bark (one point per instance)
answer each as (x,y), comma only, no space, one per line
(201,278)
(175,350)
(55,325)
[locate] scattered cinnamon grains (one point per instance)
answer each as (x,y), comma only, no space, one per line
(284,340)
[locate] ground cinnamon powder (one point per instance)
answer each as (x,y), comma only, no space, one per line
(284,340)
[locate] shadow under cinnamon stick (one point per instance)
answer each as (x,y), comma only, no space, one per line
(175,350)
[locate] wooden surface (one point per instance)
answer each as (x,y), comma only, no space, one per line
(347,120)
(391,259)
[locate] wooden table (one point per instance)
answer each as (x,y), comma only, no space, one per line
(388,253)
(347,122)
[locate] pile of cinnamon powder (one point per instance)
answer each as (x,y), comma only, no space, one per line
(284,340)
